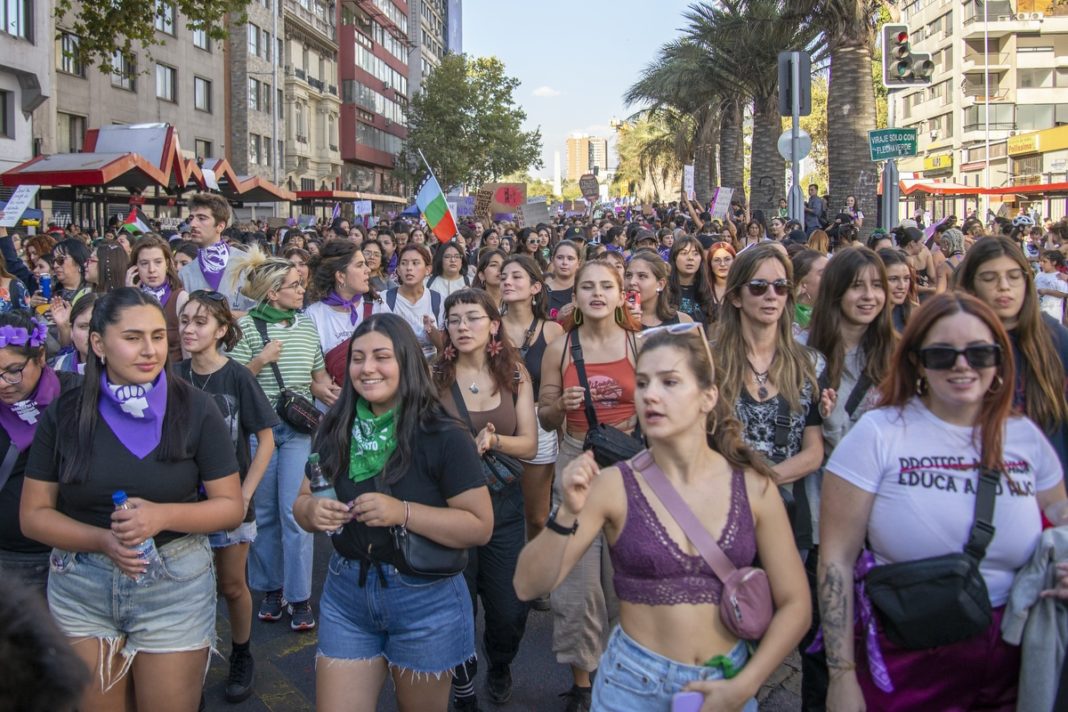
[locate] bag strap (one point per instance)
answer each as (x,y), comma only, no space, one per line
(782,427)
(8,465)
(982,532)
(461,407)
(435,304)
(261,326)
(580,369)
(692,527)
(391,298)
(368,307)
(857,395)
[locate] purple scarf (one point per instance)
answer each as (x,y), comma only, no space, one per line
(161,293)
(213,259)
(135,413)
(334,300)
(19,420)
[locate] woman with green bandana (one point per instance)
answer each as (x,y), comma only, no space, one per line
(280,560)
(397,459)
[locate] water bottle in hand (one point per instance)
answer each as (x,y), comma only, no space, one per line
(147,548)
(320,486)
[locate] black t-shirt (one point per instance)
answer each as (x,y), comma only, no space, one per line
(11,538)
(558,299)
(445,464)
(112,467)
(243,405)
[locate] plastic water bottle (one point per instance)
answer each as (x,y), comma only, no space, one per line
(147,548)
(320,486)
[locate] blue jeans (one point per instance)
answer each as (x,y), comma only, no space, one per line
(281,555)
(632,677)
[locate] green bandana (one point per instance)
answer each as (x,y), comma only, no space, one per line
(272,315)
(802,315)
(372,442)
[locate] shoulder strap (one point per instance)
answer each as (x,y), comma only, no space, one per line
(580,369)
(782,427)
(435,304)
(8,465)
(857,394)
(368,307)
(982,532)
(261,326)
(430,281)
(691,526)
(461,407)
(391,298)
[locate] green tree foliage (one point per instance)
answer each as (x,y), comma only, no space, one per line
(105,27)
(467,124)
(816,126)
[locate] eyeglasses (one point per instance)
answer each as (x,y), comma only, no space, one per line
(943,358)
(690,327)
(208,294)
(455,322)
(13,376)
(1014,276)
(759,287)
(59,261)
(299,284)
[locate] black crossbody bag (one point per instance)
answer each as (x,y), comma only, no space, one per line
(292,407)
(499,470)
(422,556)
(940,600)
(610,445)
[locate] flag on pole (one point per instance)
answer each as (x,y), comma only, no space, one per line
(431,202)
(136,221)
(337,212)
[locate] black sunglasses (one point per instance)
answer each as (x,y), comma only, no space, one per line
(208,294)
(759,287)
(943,358)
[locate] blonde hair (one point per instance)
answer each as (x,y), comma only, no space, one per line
(260,272)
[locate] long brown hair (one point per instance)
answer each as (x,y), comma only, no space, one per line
(503,366)
(659,268)
(901,385)
(1041,370)
(153,241)
(623,316)
(825,332)
(794,363)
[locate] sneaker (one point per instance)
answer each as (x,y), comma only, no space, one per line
(499,684)
(465,704)
(540,604)
(302,617)
(239,682)
(578,699)
(271,606)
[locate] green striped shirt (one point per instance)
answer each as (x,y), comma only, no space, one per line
(301,354)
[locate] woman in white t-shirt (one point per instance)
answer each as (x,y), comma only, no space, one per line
(904,478)
(341,298)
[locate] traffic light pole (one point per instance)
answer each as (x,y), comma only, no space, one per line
(891,190)
(796,203)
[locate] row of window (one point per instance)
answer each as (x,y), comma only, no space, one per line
(397,16)
(259,150)
(259,96)
(165,17)
(125,77)
(354,92)
(16,18)
(375,138)
(68,63)
(259,44)
(377,68)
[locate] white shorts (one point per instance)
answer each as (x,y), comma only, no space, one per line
(548,445)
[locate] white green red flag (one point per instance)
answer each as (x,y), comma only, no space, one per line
(136,221)
(431,202)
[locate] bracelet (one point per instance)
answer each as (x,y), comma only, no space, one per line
(840,665)
(496,441)
(407,513)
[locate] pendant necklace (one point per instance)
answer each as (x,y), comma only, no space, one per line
(761,378)
(473,387)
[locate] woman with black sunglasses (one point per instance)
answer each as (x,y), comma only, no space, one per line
(905,480)
(70,259)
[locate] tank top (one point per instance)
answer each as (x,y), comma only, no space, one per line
(649,566)
(611,385)
(503,416)
(532,359)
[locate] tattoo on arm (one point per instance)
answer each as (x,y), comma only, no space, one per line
(834,609)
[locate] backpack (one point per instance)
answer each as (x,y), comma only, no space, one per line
(435,300)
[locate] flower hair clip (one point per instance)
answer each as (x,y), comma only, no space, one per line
(17,336)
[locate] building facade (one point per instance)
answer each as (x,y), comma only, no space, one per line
(254,93)
(434,29)
(584,153)
(26,73)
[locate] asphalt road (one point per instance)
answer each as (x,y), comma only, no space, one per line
(285,666)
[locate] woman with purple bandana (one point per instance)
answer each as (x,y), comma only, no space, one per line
(153,270)
(27,386)
(133,427)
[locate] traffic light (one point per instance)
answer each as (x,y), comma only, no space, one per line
(901,66)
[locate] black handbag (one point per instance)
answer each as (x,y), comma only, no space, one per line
(292,407)
(610,445)
(499,470)
(942,599)
(419,555)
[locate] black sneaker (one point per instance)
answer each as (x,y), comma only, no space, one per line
(239,682)
(465,704)
(302,617)
(271,606)
(499,684)
(578,699)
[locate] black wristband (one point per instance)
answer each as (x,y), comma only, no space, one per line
(552,524)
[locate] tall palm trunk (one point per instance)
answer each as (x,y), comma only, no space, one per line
(850,114)
(731,147)
(767,174)
(705,156)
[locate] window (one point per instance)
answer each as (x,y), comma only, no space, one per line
(166,81)
(254,94)
(1002,118)
(16,18)
(253,149)
(202,94)
(266,150)
(200,40)
(253,40)
(203,148)
(124,71)
(7,114)
(280,156)
(302,135)
(266,93)
(165,17)
(265,43)
(70,132)
(1033,117)
(1035,78)
(280,105)
(68,63)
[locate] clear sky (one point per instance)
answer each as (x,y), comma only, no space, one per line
(574,59)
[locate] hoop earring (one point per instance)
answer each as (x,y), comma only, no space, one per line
(921,386)
(620,316)
(576,317)
(997,384)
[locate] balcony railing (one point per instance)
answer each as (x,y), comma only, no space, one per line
(320,19)
(316,83)
(299,73)
(992,59)
(979,92)
(994,126)
(331,89)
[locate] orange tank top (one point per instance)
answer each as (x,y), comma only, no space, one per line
(612,386)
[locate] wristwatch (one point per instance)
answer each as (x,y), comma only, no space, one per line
(551,524)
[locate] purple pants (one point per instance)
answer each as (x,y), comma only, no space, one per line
(980,673)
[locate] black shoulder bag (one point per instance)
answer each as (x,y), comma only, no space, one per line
(499,470)
(943,599)
(292,407)
(609,445)
(420,555)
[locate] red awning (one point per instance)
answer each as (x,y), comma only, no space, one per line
(909,186)
(315,196)
(1030,189)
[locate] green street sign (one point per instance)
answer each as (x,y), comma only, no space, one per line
(888,144)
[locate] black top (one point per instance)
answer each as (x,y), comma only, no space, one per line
(532,359)
(666,322)
(558,299)
(243,405)
(112,467)
(11,538)
(445,464)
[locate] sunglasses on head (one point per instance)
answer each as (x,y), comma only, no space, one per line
(208,294)
(759,287)
(943,358)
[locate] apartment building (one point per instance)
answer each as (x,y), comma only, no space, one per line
(584,153)
(256,117)
(26,61)
(434,30)
(1000,72)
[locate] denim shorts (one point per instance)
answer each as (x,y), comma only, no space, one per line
(424,625)
(632,677)
(90,597)
(244,534)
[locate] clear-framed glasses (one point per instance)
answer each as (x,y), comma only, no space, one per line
(690,327)
(13,376)
(455,322)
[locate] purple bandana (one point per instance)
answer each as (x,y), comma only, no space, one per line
(162,293)
(213,259)
(334,300)
(135,413)
(19,420)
